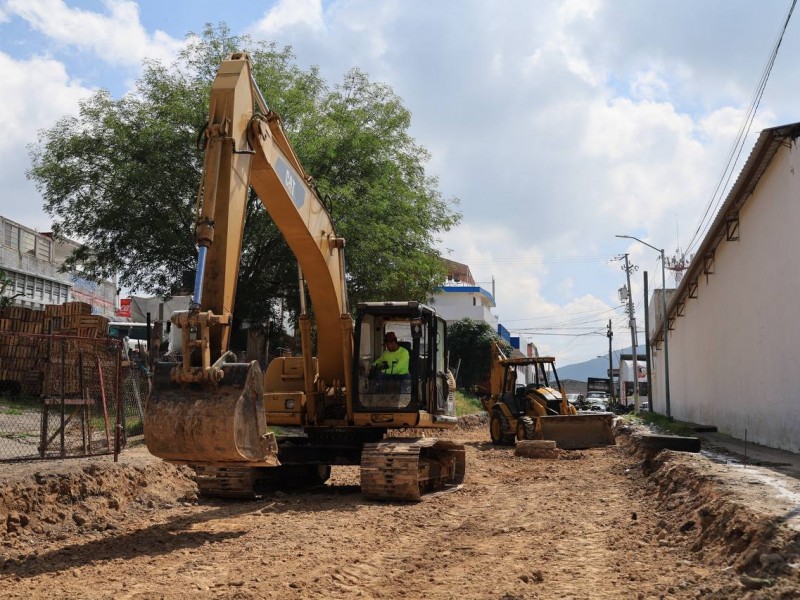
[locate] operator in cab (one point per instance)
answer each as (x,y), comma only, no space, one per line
(394,360)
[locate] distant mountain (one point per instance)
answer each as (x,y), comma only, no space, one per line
(596,367)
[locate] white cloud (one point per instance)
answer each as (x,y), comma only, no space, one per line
(34,94)
(558,123)
(531,296)
(288,14)
(117,37)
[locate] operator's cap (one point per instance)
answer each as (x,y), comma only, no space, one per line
(389,337)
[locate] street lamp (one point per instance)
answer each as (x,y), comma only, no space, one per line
(666,320)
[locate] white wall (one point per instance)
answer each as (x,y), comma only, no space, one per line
(733,355)
(454,306)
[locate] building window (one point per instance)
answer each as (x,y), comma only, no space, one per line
(10,235)
(43,248)
(27,242)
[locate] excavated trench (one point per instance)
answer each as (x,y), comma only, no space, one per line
(604,522)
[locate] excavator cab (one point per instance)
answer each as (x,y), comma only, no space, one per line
(425,387)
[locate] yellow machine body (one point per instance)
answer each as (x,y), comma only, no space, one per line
(209,412)
(538,410)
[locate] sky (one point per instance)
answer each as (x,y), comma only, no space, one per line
(557,124)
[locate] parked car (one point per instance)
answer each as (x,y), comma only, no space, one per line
(575,398)
(596,404)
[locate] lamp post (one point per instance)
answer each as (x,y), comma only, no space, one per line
(666,319)
(611,389)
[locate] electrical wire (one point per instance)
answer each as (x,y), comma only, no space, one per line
(738,144)
(541,260)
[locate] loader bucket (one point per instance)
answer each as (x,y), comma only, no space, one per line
(576,432)
(210,423)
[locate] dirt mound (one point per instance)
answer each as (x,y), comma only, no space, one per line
(92,497)
(702,511)
(475,421)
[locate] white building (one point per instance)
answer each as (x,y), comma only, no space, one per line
(733,320)
(31,262)
(460,297)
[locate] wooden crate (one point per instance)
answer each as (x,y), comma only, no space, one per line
(53,310)
(77,308)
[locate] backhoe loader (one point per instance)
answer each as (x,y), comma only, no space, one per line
(213,414)
(538,410)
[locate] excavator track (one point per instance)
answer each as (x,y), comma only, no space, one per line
(226,482)
(404,469)
(249,483)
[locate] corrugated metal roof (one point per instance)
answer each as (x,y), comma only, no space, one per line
(765,148)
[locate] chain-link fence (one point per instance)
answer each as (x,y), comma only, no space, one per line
(66,396)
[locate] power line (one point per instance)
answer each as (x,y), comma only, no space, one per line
(741,136)
(541,260)
(597,311)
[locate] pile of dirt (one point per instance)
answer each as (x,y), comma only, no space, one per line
(708,514)
(92,497)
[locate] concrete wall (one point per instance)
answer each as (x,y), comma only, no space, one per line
(733,355)
(454,304)
(39,265)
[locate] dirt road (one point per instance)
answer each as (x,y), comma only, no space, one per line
(601,523)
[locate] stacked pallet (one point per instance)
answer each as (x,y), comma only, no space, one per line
(20,353)
(74,318)
(35,362)
(63,372)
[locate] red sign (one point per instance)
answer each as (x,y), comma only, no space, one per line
(124,309)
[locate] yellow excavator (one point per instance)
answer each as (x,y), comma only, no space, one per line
(538,410)
(213,414)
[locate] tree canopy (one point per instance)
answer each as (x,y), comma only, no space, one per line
(122,178)
(470,346)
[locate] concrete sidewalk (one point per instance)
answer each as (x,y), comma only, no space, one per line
(736,451)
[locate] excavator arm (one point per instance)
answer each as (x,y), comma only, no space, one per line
(247,147)
(209,408)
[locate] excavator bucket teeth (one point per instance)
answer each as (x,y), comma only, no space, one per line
(577,432)
(210,423)
(404,469)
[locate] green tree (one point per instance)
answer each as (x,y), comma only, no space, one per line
(122,178)
(470,342)
(5,282)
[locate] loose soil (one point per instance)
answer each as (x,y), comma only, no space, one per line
(610,522)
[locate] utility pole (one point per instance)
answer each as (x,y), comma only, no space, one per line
(628,268)
(610,335)
(665,317)
(647,345)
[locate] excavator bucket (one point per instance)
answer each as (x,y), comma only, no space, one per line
(577,432)
(210,423)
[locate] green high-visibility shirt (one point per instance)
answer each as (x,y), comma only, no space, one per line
(397,361)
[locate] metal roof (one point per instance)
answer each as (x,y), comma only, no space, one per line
(727,219)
